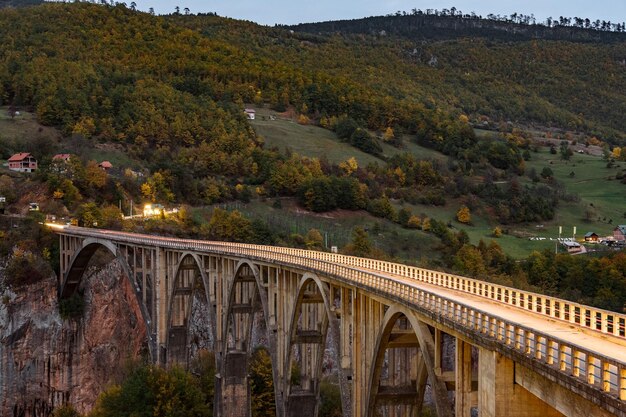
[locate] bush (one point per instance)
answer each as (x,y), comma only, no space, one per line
(362,140)
(345,127)
(25,268)
(152,391)
(330,400)
(73,307)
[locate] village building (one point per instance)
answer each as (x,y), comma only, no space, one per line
(23,162)
(65,157)
(592,237)
(105,165)
(250,113)
(572,247)
(619,233)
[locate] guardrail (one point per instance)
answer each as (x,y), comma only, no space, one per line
(603,373)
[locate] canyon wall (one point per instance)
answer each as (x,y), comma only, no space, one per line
(46,361)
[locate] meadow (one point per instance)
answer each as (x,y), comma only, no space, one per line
(599,200)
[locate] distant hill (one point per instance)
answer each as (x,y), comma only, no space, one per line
(19,3)
(120,74)
(422,26)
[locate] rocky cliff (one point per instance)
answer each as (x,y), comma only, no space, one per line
(46,361)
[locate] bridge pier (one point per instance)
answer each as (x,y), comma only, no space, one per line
(464,398)
(235,389)
(500,396)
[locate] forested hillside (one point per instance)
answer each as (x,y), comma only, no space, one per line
(19,3)
(165,95)
(570,74)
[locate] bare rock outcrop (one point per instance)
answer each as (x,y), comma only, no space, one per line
(46,361)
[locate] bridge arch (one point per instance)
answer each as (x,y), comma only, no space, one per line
(182,293)
(404,344)
(246,296)
(76,269)
(309,328)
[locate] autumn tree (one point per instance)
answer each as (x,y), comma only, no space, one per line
(229,226)
(262,384)
(463,215)
(94,175)
(360,244)
(388,135)
(349,166)
(314,239)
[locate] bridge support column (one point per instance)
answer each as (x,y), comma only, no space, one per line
(463,379)
(161,290)
(235,390)
(499,396)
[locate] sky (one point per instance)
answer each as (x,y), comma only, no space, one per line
(270,12)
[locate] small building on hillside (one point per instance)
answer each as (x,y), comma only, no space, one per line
(572,247)
(105,165)
(23,162)
(250,113)
(65,157)
(592,237)
(619,233)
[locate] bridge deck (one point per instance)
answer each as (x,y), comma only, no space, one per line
(593,341)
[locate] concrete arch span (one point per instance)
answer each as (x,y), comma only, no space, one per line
(311,324)
(403,363)
(78,265)
(247,296)
(190,277)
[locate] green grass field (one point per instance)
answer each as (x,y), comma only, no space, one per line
(316,142)
(601,198)
(594,183)
(605,198)
(23,128)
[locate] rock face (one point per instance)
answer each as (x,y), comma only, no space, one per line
(46,361)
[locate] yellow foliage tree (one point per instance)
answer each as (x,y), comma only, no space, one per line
(349,166)
(388,135)
(95,176)
(463,215)
(303,119)
(85,126)
(414,222)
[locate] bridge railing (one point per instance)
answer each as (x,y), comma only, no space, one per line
(596,319)
(601,372)
(592,318)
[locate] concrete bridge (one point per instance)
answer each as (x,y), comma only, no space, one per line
(397,331)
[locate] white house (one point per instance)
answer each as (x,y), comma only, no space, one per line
(250,113)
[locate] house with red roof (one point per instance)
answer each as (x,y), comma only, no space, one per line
(22,162)
(65,157)
(105,165)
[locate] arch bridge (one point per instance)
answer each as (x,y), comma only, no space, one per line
(395,335)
